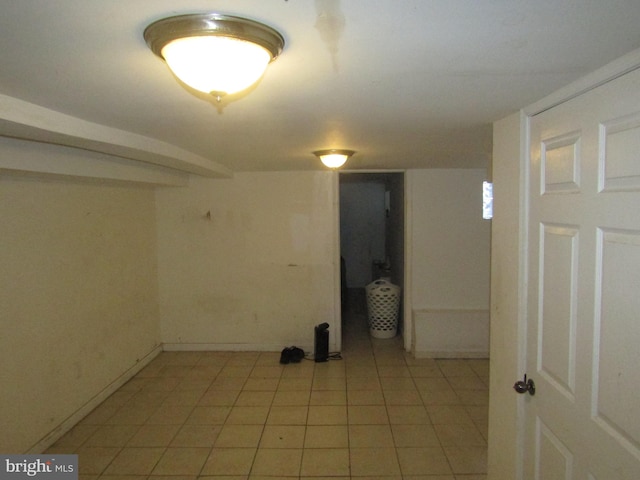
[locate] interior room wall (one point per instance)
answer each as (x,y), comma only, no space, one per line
(451,240)
(96,275)
(78,289)
(362,228)
(395,237)
(450,270)
(248,263)
(506,338)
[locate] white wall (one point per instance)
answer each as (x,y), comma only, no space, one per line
(250,262)
(505,302)
(78,296)
(450,251)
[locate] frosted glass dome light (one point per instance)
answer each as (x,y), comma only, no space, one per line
(213,53)
(333,158)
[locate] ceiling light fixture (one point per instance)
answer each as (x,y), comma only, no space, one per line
(214,53)
(334,157)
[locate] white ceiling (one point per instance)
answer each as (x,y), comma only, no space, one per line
(405,83)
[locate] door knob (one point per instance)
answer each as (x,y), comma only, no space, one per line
(524,386)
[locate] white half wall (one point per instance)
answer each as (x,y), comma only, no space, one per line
(248,263)
(451,333)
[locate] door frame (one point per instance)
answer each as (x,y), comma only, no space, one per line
(406,295)
(509,279)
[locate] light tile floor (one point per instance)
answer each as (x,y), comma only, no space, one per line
(377,413)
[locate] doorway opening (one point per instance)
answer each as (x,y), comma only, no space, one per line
(372,225)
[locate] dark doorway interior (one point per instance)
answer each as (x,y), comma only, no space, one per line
(371,237)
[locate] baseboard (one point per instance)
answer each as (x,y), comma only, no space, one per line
(229,347)
(450,354)
(88,407)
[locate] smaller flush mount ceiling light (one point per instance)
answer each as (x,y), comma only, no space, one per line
(334,157)
(214,53)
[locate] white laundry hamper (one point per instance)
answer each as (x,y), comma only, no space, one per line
(383,305)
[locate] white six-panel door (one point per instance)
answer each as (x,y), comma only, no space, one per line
(583,307)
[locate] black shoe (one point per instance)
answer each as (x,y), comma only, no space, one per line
(297,354)
(285,356)
(291,354)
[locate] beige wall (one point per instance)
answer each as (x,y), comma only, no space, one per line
(78,296)
(249,262)
(450,241)
(95,276)
(450,268)
(506,350)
